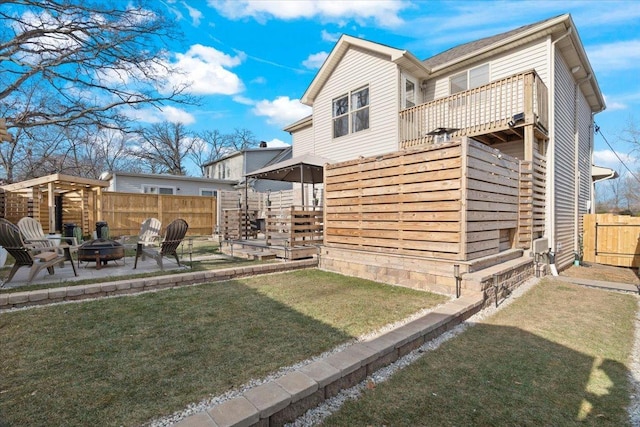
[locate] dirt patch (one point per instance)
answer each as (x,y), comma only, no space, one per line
(606,273)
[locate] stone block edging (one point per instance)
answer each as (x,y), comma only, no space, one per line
(282,400)
(132,286)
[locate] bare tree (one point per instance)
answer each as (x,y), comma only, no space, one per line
(165,146)
(67,63)
(212,145)
(241,139)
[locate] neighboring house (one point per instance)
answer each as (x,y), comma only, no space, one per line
(165,184)
(235,166)
(530,93)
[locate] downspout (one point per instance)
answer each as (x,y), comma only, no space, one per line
(551,152)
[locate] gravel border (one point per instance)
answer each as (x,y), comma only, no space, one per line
(212,401)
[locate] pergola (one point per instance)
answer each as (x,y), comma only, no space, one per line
(83,197)
(305,169)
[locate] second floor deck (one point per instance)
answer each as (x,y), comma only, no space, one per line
(499,109)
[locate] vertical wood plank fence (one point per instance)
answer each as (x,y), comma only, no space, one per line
(612,240)
(124,212)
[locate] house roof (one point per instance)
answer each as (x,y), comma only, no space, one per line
(300,124)
(242,152)
(165,177)
(307,168)
(560,29)
(401,57)
(601,173)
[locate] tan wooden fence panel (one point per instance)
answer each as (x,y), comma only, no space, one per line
(455,201)
(124,212)
(612,240)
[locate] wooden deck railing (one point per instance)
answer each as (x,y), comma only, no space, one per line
(484,109)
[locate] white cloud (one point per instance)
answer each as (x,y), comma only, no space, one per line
(259,80)
(194,13)
(623,55)
(330,37)
(315,60)
(168,113)
(613,105)
(608,158)
(206,69)
(244,100)
(383,12)
(275,142)
(282,110)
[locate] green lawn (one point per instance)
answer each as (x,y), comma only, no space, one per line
(124,361)
(556,357)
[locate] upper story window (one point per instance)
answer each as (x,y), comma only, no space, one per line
(469,79)
(351,112)
(208,192)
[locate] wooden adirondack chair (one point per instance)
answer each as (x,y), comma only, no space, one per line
(174,235)
(150,231)
(34,234)
(11,240)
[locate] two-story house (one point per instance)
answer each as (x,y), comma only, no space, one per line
(234,166)
(530,93)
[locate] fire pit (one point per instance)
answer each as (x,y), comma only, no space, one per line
(100,251)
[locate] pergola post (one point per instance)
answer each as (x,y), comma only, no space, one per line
(51,202)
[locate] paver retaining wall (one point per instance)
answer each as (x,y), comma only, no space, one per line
(132,286)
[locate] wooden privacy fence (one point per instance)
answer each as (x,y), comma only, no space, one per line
(124,212)
(295,226)
(611,239)
(457,201)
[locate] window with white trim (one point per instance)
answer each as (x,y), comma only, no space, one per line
(156,189)
(208,192)
(351,112)
(469,79)
(409,92)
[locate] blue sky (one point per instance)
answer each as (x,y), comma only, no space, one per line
(251,61)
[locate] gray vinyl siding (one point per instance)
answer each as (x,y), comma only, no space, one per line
(134,184)
(359,68)
(302,141)
(531,56)
(564,167)
(585,131)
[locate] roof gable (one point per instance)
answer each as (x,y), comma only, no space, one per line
(402,57)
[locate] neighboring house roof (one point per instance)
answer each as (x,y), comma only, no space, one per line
(600,173)
(243,152)
(561,28)
(166,177)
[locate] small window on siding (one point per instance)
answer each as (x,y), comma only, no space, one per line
(155,189)
(458,83)
(409,94)
(208,192)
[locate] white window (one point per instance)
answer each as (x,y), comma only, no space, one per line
(208,192)
(469,79)
(156,189)
(409,92)
(351,112)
